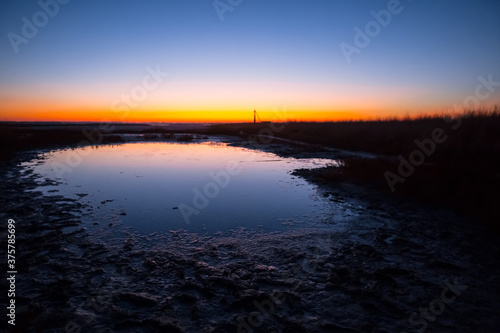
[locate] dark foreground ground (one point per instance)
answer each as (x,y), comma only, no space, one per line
(395,267)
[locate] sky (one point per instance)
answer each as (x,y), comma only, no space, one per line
(211,61)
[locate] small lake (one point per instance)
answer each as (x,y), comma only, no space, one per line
(201,187)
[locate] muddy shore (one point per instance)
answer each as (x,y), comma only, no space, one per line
(395,267)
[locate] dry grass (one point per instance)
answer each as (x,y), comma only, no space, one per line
(463,172)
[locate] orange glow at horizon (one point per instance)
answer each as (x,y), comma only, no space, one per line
(36,110)
(276,115)
(204,101)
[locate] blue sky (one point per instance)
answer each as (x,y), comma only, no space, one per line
(427,58)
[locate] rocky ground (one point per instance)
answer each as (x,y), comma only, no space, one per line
(396,267)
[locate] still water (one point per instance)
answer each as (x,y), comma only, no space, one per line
(202,187)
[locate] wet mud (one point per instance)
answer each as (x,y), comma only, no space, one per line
(394,267)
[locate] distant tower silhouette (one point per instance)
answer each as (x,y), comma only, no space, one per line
(256,116)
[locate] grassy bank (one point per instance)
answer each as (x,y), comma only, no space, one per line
(16,137)
(457,160)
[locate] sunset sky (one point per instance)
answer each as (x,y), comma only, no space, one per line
(92,60)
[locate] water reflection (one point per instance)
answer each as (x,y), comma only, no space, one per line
(154,186)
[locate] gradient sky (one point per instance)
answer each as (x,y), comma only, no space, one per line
(267,55)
